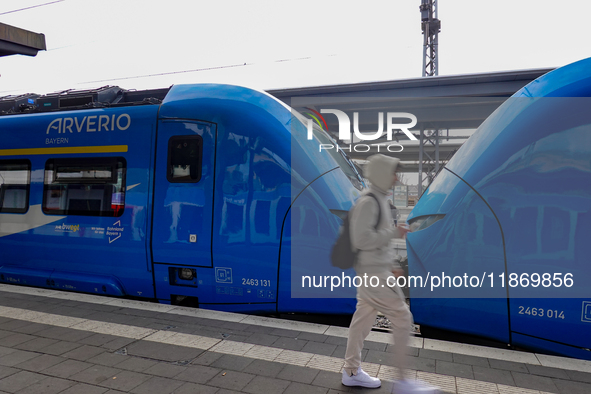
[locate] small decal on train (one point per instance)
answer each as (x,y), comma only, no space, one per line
(68,228)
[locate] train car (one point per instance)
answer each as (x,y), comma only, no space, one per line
(513,207)
(190,195)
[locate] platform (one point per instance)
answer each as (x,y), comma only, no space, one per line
(58,342)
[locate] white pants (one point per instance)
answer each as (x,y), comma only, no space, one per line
(391,302)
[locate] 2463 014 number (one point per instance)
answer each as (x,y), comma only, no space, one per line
(541,312)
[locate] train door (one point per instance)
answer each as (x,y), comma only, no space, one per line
(183,196)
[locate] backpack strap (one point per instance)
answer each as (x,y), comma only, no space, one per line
(379,209)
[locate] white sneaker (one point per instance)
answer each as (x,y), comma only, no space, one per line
(362,379)
(414,386)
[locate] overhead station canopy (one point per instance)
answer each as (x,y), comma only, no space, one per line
(15,41)
(445,103)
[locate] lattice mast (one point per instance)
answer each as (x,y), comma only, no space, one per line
(431,27)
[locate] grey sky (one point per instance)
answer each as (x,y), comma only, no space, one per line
(284,44)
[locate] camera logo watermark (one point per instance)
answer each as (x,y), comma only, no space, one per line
(345,129)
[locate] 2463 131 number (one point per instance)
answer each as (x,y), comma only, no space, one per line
(256,282)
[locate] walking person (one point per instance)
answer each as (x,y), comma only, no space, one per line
(371,233)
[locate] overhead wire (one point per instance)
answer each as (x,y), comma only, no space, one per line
(196,70)
(33,6)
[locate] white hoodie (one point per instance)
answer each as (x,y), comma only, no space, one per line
(375,251)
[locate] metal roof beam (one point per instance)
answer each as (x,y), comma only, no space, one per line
(16,41)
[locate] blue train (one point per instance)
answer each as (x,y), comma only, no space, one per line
(513,207)
(189,195)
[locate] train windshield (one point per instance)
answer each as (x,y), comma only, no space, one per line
(344,162)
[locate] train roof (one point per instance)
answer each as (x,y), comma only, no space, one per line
(67,100)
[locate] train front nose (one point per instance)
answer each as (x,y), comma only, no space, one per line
(455,257)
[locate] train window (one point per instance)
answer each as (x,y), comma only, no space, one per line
(85,186)
(184,158)
(15,177)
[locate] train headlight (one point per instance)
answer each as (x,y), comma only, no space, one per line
(186,273)
(422,222)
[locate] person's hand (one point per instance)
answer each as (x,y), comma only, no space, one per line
(403,229)
(398,272)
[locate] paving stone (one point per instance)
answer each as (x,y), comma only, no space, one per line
(108,359)
(162,351)
(19,381)
(493,375)
(7,371)
(165,370)
(336,341)
(65,310)
(412,351)
(124,380)
(471,360)
(547,371)
(264,368)
(309,336)
(16,357)
(136,364)
(198,374)
(83,352)
(579,376)
(33,328)
(325,349)
(98,339)
(60,333)
(226,391)
(4,333)
(507,365)
(59,348)
(435,355)
(231,362)
(379,357)
(534,382)
(296,373)
(570,387)
(422,364)
(14,325)
(258,329)
(95,374)
(453,369)
(15,339)
(194,388)
(289,343)
(158,385)
(207,358)
(281,332)
(261,339)
(83,388)
(298,388)
(379,346)
(333,391)
(263,384)
(40,363)
(48,385)
(231,380)
(36,344)
(118,343)
(329,380)
(67,368)
(6,350)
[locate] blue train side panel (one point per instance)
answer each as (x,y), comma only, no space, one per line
(529,161)
(104,255)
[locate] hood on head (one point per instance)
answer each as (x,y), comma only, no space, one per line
(380,170)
